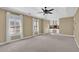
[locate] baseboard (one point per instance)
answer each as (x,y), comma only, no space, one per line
(76,42)
(70,36)
(8,42)
(64,35)
(20,39)
(67,35)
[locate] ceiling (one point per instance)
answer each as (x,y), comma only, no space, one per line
(59,12)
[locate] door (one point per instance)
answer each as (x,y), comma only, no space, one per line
(35,26)
(13,26)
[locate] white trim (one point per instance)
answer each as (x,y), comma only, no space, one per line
(8,38)
(7,42)
(7,26)
(67,35)
(37,24)
(21,28)
(63,35)
(76,42)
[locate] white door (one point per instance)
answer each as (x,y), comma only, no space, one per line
(35,26)
(13,26)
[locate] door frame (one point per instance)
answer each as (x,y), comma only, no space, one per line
(8,39)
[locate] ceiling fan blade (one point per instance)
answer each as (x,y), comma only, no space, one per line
(50,12)
(43,9)
(51,9)
(44,14)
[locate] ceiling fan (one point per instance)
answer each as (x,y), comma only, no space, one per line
(46,11)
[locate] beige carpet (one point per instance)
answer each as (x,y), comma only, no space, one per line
(43,43)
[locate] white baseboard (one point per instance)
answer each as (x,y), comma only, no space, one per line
(3,43)
(38,35)
(67,35)
(63,35)
(70,36)
(76,42)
